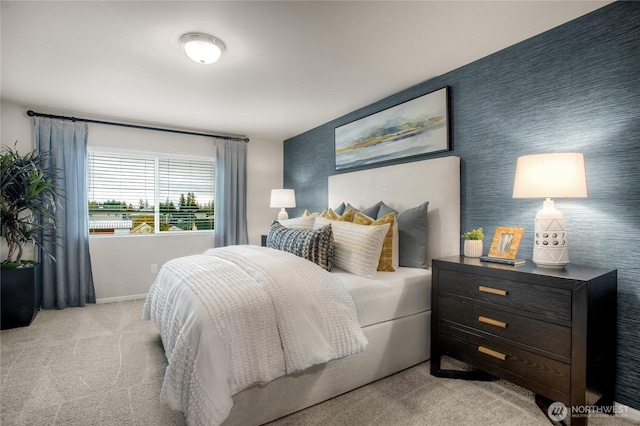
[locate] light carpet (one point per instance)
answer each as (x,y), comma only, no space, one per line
(103,365)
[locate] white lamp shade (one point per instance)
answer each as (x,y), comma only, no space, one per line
(202,48)
(555,175)
(282,198)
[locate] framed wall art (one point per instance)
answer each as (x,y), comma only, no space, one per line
(506,242)
(415,127)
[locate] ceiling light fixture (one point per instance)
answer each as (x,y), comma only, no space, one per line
(202,48)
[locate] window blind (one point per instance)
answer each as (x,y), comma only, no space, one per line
(146,193)
(185,191)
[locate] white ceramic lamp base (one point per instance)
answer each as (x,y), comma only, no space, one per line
(550,249)
(282,214)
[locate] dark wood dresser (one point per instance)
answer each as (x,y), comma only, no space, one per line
(552,331)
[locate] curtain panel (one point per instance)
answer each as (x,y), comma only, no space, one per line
(230,214)
(68,281)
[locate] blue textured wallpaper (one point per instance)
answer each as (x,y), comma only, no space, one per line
(573,88)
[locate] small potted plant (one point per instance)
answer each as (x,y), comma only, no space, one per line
(28,202)
(473,243)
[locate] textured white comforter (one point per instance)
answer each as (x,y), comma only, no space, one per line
(238,316)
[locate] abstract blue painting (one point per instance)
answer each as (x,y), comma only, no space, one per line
(416,127)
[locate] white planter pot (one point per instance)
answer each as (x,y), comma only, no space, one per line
(473,248)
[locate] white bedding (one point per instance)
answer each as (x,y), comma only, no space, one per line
(390,295)
(244,315)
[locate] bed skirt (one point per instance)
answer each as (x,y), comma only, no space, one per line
(393,346)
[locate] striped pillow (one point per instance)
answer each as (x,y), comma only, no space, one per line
(357,247)
(314,245)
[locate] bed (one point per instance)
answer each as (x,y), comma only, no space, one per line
(392,309)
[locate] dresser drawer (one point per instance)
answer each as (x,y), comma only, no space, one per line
(550,302)
(542,335)
(552,331)
(542,375)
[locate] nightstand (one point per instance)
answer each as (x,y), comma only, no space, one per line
(552,331)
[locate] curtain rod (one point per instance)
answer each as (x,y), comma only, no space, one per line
(31,113)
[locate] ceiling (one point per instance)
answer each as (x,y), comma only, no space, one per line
(289,66)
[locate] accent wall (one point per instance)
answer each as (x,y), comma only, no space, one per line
(573,88)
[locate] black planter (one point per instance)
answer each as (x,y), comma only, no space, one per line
(20,295)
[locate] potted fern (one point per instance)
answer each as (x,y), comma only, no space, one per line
(28,203)
(473,243)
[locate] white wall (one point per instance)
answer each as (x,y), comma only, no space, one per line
(122,265)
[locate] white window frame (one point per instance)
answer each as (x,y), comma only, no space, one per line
(157,156)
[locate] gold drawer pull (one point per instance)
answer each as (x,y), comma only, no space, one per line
(492,353)
(492,322)
(492,290)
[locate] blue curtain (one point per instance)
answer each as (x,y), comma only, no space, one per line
(230,214)
(67,281)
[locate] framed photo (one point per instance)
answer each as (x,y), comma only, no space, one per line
(416,127)
(506,242)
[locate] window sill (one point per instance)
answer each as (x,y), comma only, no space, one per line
(160,234)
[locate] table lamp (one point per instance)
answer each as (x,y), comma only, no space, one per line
(281,198)
(555,175)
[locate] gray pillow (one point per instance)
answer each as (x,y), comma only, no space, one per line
(412,233)
(372,211)
(384,210)
(340,209)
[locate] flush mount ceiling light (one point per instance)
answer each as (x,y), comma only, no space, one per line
(202,48)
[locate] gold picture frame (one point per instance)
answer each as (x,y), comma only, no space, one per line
(506,242)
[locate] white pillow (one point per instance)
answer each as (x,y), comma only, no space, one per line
(302,222)
(357,247)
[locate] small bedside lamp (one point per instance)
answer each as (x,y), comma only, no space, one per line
(557,175)
(281,198)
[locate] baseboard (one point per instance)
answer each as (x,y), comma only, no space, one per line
(628,412)
(121,298)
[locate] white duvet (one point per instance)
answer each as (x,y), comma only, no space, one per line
(238,316)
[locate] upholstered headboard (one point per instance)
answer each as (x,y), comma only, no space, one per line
(408,185)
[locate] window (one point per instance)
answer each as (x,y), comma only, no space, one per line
(146,193)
